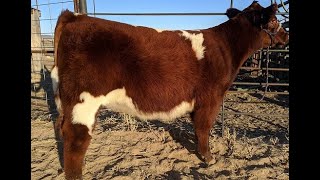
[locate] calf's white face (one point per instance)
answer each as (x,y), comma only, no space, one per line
(117,100)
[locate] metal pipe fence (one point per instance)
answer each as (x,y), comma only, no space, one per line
(167,14)
(264,73)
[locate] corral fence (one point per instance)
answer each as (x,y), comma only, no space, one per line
(266,71)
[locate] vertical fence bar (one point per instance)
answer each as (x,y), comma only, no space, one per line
(222,114)
(94,8)
(83,6)
(260,55)
(222,117)
(36,45)
(76,6)
(267,74)
(50,18)
(37,4)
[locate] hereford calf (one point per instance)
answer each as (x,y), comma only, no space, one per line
(149,73)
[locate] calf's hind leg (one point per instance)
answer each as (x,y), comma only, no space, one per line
(75,144)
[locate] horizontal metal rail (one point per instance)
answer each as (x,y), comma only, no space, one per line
(44,33)
(257,92)
(42,51)
(270,69)
(255,114)
(274,50)
(45,19)
(263,84)
(52,3)
(166,14)
(156,14)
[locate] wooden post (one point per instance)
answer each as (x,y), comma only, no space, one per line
(36,41)
(76,6)
(83,6)
(80,6)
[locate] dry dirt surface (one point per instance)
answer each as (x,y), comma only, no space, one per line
(124,148)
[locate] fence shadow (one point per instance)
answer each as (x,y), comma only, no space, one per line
(46,85)
(281,132)
(281,100)
(182,133)
(194,173)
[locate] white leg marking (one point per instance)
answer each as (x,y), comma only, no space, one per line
(196,43)
(84,112)
(117,100)
(54,79)
(55,84)
(58,102)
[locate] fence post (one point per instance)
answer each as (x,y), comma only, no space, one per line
(36,43)
(83,6)
(76,6)
(222,117)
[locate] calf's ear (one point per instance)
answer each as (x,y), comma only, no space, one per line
(232,12)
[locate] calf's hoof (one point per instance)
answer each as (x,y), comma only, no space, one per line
(72,177)
(207,158)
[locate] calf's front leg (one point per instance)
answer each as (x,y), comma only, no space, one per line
(204,118)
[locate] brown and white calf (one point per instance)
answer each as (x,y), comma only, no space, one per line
(150,74)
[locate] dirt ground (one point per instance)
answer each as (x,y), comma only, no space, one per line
(124,148)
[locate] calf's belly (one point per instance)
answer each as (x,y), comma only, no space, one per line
(117,100)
